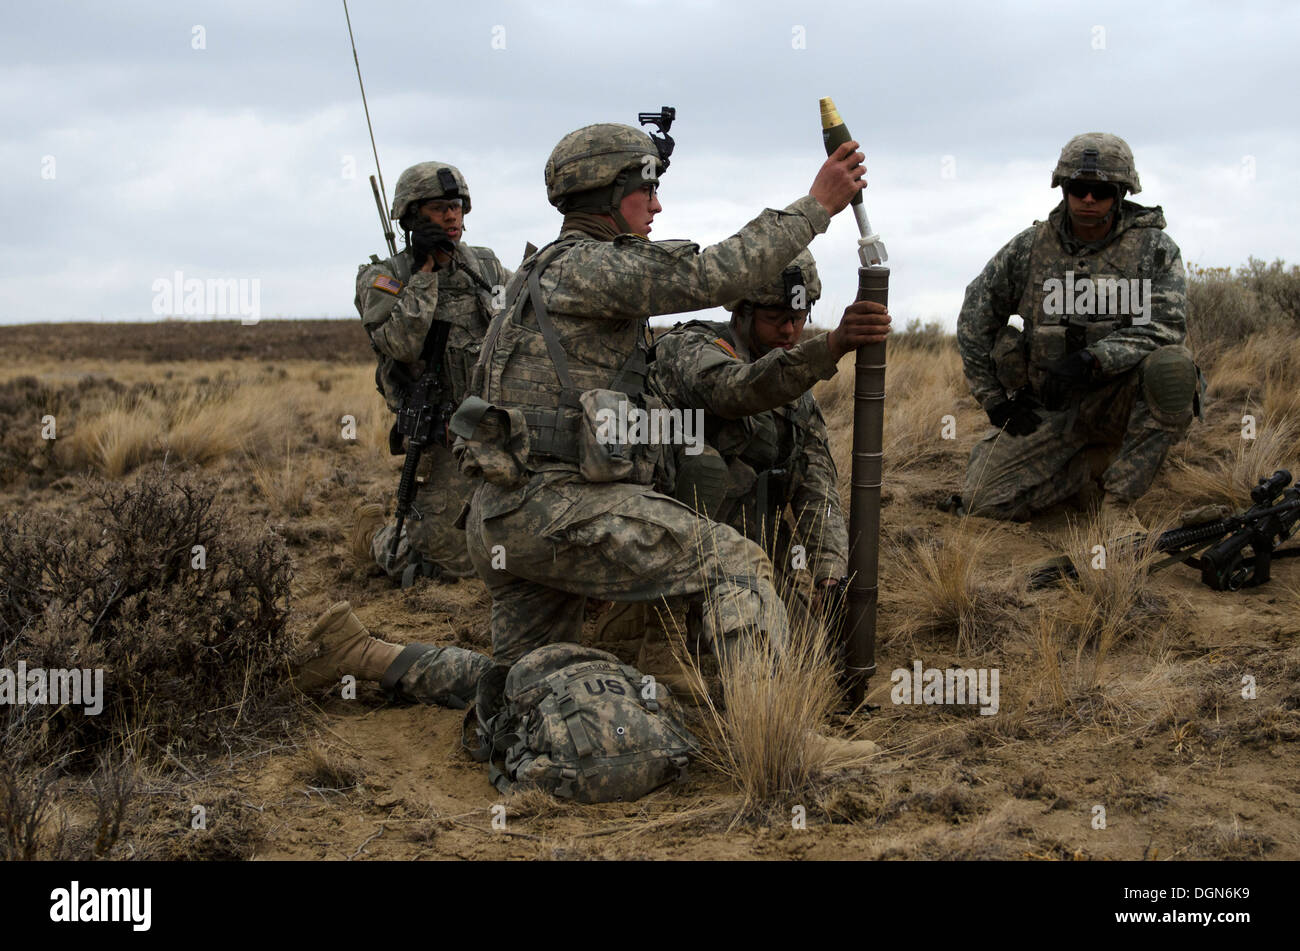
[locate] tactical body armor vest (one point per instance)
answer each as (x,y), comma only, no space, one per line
(464,304)
(1071,300)
(540,364)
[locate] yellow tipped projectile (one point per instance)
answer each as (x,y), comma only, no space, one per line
(830,115)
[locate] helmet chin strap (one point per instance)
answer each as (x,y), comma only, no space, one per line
(616,196)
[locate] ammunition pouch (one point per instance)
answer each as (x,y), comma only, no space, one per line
(701,481)
(602,455)
(491,443)
(1010,356)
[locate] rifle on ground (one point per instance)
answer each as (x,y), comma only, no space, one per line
(1218,548)
(422,420)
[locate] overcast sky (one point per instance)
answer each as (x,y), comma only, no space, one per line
(216,139)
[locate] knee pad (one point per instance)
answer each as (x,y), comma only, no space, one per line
(1169,385)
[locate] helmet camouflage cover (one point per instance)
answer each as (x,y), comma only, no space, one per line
(595,156)
(784,291)
(1100,157)
(428,180)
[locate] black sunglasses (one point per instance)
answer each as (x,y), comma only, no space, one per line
(1099,190)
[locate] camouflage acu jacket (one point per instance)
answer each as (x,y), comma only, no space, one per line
(398,307)
(762,419)
(1069,296)
(598,297)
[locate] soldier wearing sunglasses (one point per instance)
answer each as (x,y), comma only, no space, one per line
(1090,395)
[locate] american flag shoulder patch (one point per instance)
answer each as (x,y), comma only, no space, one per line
(727,347)
(385,283)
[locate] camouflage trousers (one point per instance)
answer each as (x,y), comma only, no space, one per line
(1108,432)
(544,548)
(433,533)
(446,676)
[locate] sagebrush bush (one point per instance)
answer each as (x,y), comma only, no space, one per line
(1225,307)
(159,586)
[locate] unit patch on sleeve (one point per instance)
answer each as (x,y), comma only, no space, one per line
(385,283)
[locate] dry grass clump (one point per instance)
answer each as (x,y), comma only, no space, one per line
(191,422)
(123,437)
(180,609)
(209,415)
(1228,478)
(1264,367)
(352,393)
(285,483)
(1111,600)
(1109,604)
(942,588)
(322,769)
(765,732)
(211,423)
(1230,841)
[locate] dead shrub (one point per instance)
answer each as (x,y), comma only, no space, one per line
(1222,308)
(158,587)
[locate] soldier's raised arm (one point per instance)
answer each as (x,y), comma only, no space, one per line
(636,278)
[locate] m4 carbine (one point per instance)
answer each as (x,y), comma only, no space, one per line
(1219,547)
(1225,564)
(422,420)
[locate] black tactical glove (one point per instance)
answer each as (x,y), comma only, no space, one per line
(1017,416)
(426,237)
(1071,372)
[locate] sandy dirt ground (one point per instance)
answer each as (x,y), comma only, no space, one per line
(1156,733)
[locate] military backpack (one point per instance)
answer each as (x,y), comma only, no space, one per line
(575,721)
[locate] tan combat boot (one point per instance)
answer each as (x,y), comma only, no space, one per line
(370,519)
(344,646)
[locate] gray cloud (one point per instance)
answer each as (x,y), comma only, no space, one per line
(229,161)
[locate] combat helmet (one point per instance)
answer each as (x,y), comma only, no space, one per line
(428,180)
(593,168)
(784,290)
(1097,156)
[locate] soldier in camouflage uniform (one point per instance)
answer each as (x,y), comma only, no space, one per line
(561,517)
(436,278)
(758,461)
(1099,384)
